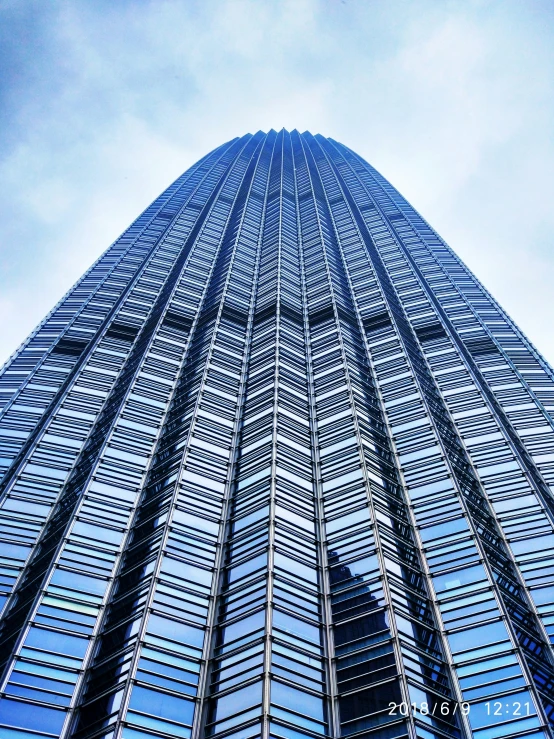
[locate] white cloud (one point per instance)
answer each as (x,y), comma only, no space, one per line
(106,103)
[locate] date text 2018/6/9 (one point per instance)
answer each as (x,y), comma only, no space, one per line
(446,708)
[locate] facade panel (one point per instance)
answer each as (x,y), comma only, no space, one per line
(277,465)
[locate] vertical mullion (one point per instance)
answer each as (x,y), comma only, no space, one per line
(204,687)
(333,706)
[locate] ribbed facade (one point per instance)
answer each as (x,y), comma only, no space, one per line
(277,465)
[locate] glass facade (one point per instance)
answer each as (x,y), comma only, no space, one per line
(278,465)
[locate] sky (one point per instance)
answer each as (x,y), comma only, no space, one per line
(103,104)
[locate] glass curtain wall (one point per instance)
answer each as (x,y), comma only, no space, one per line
(277,465)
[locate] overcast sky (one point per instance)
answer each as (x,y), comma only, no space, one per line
(104,103)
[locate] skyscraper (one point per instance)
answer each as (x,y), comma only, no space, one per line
(277,465)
